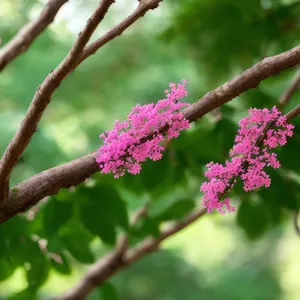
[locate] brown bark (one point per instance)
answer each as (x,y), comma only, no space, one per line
(26,36)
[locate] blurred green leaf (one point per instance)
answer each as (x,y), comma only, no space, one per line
(147,226)
(282,192)
(101,210)
(55,215)
(6,269)
(27,250)
(77,242)
(37,273)
(63,266)
(98,222)
(154,174)
(24,295)
(108,292)
(16,226)
(178,210)
(36,263)
(252,217)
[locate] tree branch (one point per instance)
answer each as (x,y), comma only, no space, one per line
(288,93)
(251,78)
(26,35)
(44,184)
(295,221)
(49,182)
(293,113)
(112,263)
(140,11)
(42,98)
(44,92)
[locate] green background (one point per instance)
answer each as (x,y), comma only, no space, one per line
(252,254)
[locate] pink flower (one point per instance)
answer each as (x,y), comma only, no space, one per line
(140,136)
(247,159)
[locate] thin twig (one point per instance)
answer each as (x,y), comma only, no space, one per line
(104,268)
(295,221)
(42,98)
(140,11)
(289,92)
(44,92)
(24,38)
(293,113)
(109,265)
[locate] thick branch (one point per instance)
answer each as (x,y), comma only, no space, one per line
(30,191)
(36,188)
(43,95)
(24,38)
(251,78)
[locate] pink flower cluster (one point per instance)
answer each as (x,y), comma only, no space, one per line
(247,158)
(140,136)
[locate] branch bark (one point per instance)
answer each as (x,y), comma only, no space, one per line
(42,98)
(140,11)
(25,37)
(251,78)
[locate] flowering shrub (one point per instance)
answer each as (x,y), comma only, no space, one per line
(140,136)
(259,132)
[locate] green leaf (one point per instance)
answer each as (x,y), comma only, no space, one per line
(177,168)
(6,269)
(37,273)
(38,267)
(27,251)
(177,211)
(63,195)
(98,222)
(108,292)
(290,151)
(258,98)
(16,226)
(113,205)
(225,131)
(77,244)
(55,215)
(102,210)
(189,142)
(132,183)
(24,295)
(62,267)
(55,244)
(146,227)
(282,192)
(154,173)
(253,218)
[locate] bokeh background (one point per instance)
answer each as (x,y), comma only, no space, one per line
(251,255)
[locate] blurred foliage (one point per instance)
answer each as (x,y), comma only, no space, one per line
(203,41)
